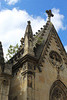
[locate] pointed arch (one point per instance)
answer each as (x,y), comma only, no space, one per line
(58,91)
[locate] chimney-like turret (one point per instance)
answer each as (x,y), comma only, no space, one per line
(28,40)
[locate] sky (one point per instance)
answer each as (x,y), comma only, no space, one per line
(14,15)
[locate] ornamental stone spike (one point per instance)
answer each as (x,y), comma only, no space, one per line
(28,22)
(28,40)
(28,31)
(49,13)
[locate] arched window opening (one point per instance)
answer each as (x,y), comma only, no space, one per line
(58,91)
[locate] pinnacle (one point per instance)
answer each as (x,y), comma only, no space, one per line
(28,22)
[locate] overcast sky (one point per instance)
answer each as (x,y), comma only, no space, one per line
(14,15)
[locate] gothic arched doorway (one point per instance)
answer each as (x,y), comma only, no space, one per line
(58,91)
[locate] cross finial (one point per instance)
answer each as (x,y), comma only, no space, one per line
(49,14)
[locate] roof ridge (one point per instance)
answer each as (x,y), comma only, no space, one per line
(42,33)
(41,40)
(44,27)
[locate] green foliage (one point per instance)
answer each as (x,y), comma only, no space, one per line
(40,39)
(12,50)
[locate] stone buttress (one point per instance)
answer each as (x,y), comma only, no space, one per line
(4,77)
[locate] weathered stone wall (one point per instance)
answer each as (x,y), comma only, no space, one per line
(4,87)
(41,81)
(18,87)
(45,79)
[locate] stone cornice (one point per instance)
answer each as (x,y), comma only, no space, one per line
(23,60)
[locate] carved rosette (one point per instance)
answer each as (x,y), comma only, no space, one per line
(55,59)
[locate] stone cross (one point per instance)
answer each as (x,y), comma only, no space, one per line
(49,14)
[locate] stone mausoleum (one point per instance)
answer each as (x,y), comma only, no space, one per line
(38,71)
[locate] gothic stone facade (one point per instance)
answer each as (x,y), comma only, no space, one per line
(38,71)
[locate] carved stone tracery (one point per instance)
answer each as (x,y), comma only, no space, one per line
(58,91)
(55,59)
(57,94)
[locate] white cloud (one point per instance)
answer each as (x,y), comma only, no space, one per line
(65,48)
(57,20)
(13,23)
(11,2)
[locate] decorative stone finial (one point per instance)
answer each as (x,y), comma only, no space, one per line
(29,22)
(28,40)
(28,31)
(49,14)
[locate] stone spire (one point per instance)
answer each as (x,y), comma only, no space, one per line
(49,14)
(28,40)
(28,31)
(1,57)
